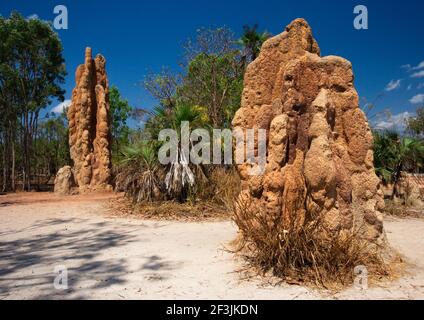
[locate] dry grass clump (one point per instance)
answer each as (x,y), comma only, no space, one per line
(221,186)
(169,210)
(403,210)
(140,185)
(309,255)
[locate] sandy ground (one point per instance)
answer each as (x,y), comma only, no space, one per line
(117,258)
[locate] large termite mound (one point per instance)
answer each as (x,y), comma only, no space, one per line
(89,126)
(319,144)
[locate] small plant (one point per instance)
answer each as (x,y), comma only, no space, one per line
(139,174)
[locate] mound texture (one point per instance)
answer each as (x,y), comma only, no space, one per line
(89,125)
(319,144)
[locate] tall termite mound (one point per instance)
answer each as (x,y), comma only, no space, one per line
(319,144)
(89,126)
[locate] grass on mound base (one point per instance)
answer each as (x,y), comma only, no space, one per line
(306,257)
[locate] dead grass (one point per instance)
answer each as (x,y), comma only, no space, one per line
(169,210)
(401,210)
(221,187)
(309,256)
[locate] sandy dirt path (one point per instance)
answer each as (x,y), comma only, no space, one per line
(120,258)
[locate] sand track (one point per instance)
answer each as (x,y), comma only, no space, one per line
(120,258)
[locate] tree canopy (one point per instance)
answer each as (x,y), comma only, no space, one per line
(120,112)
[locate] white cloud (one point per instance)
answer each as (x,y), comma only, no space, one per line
(409,87)
(396,122)
(419,98)
(393,85)
(59,108)
(419,74)
(419,66)
(33,16)
(407,67)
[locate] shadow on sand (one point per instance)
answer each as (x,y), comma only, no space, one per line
(95,269)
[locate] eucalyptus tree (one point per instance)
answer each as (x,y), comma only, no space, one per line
(32,71)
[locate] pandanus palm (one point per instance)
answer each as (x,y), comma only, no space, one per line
(252,40)
(180,177)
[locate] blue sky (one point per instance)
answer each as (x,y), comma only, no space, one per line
(141,36)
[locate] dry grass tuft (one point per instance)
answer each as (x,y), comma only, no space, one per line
(309,256)
(221,187)
(400,210)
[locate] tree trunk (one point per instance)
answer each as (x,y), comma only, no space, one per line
(13,185)
(396,180)
(4,188)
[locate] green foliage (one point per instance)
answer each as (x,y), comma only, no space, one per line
(139,174)
(394,154)
(212,83)
(384,154)
(142,154)
(187,113)
(215,82)
(32,60)
(51,147)
(164,118)
(207,95)
(180,176)
(160,119)
(252,41)
(120,111)
(416,124)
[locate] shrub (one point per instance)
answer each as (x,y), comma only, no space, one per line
(139,174)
